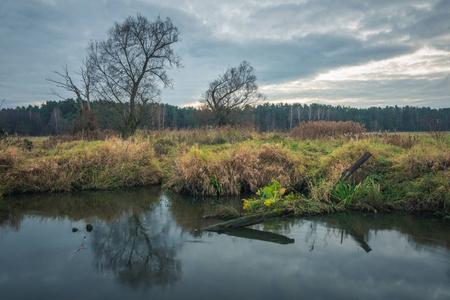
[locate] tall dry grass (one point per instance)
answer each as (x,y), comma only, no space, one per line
(233,171)
(326,129)
(406,141)
(101,165)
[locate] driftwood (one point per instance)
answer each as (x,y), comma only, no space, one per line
(246,221)
(358,164)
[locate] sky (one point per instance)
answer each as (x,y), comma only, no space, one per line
(357,53)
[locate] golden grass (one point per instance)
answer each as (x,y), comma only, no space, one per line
(104,165)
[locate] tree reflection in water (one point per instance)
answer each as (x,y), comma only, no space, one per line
(130,230)
(139,255)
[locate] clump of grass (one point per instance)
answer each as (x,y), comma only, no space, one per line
(364,195)
(341,158)
(429,192)
(326,129)
(422,159)
(9,157)
(406,141)
(102,165)
(232,170)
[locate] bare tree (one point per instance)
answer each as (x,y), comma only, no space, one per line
(131,64)
(228,94)
(82,91)
(86,119)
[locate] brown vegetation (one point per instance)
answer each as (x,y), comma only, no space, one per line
(77,165)
(401,140)
(232,171)
(326,129)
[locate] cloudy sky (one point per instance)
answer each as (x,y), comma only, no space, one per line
(356,53)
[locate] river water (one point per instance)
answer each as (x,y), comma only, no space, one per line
(143,245)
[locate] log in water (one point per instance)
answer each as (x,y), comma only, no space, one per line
(246,221)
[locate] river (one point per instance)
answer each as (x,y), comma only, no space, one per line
(143,245)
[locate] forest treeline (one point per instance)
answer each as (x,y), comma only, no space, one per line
(57,117)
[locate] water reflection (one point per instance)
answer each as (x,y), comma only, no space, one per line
(259,235)
(144,240)
(130,235)
(89,205)
(139,255)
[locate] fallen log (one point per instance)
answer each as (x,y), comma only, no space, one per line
(358,164)
(246,221)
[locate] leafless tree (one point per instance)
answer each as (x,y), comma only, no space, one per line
(131,64)
(228,94)
(86,119)
(82,91)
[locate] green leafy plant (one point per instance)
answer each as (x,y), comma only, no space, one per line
(345,192)
(271,193)
(349,194)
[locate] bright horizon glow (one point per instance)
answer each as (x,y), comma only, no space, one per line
(424,64)
(425,61)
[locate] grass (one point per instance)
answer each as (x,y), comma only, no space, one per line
(79,165)
(282,170)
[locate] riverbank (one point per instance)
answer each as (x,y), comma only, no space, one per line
(408,172)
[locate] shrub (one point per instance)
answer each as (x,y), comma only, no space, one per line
(326,129)
(401,140)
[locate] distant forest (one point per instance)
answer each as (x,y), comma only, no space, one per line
(56,117)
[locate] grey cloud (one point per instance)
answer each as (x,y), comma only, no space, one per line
(283,41)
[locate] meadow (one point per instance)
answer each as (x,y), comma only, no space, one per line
(298,170)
